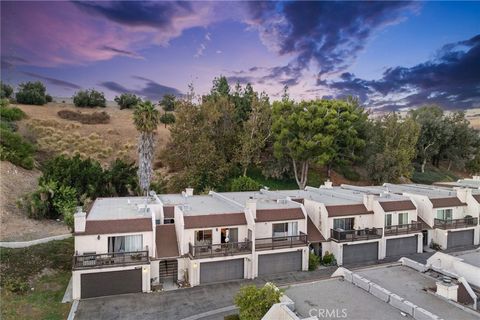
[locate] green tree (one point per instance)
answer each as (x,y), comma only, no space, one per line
(433,131)
(31,93)
(167,118)
(253,303)
(255,132)
(89,98)
(127,100)
(146,119)
(391,148)
(121,178)
(244,183)
(168,102)
(306,133)
(6,90)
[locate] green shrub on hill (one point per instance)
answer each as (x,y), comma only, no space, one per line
(6,91)
(14,148)
(127,100)
(89,99)
(31,93)
(11,113)
(244,184)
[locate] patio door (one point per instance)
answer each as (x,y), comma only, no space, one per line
(230,234)
(344,224)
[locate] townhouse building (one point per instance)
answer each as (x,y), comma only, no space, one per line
(451,215)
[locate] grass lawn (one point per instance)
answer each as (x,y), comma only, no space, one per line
(315,178)
(47,269)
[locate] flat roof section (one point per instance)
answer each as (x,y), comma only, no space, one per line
(411,285)
(431,192)
(472,258)
(265,200)
(336,296)
(119,208)
(208,205)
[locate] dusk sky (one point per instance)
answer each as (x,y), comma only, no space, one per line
(391,55)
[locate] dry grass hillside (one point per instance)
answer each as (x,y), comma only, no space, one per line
(103,142)
(473,115)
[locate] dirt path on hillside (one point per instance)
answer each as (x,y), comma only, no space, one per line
(14,224)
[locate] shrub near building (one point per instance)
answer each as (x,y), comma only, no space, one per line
(89,99)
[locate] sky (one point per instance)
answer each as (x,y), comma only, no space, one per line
(391,55)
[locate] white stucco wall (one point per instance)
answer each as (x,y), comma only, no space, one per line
(91,243)
(76,277)
(457,266)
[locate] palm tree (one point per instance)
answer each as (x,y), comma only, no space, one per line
(146,119)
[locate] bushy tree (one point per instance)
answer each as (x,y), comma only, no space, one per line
(146,118)
(6,90)
(167,118)
(14,148)
(391,148)
(168,102)
(313,132)
(48,98)
(244,183)
(127,100)
(31,93)
(121,178)
(253,303)
(89,98)
(86,176)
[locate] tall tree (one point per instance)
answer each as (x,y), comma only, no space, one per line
(304,132)
(168,102)
(146,119)
(433,131)
(391,148)
(255,133)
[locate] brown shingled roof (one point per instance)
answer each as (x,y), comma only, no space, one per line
(313,234)
(477,197)
(447,202)
(169,212)
(215,220)
(347,210)
(116,226)
(266,215)
(397,205)
(166,241)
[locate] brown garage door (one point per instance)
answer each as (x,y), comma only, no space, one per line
(110,283)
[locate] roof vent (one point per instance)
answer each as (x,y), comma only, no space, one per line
(282,201)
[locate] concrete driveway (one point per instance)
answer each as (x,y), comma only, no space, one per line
(183,303)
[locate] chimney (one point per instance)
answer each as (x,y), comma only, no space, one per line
(80,219)
(368,201)
(189,192)
(327,184)
(447,289)
(252,205)
(463,194)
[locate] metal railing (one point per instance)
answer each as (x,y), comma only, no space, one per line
(403,228)
(355,235)
(281,242)
(106,260)
(455,223)
(220,249)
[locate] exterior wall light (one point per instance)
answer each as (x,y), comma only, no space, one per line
(98,237)
(195,266)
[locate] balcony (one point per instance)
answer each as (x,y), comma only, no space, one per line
(413,227)
(355,235)
(455,223)
(281,242)
(219,250)
(108,260)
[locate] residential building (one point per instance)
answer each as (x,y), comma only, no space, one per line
(471,183)
(451,215)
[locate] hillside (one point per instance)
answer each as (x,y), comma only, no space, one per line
(104,142)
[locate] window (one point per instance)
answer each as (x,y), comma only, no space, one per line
(344,224)
(125,243)
(168,221)
(285,229)
(230,233)
(444,214)
(388,220)
(203,237)
(403,218)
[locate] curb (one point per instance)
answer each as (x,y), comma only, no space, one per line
(25,244)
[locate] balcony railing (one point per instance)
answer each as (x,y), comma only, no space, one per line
(355,235)
(403,228)
(219,250)
(455,223)
(281,242)
(106,260)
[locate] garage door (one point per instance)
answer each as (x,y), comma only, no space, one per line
(401,246)
(279,262)
(221,271)
(460,238)
(110,283)
(360,252)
